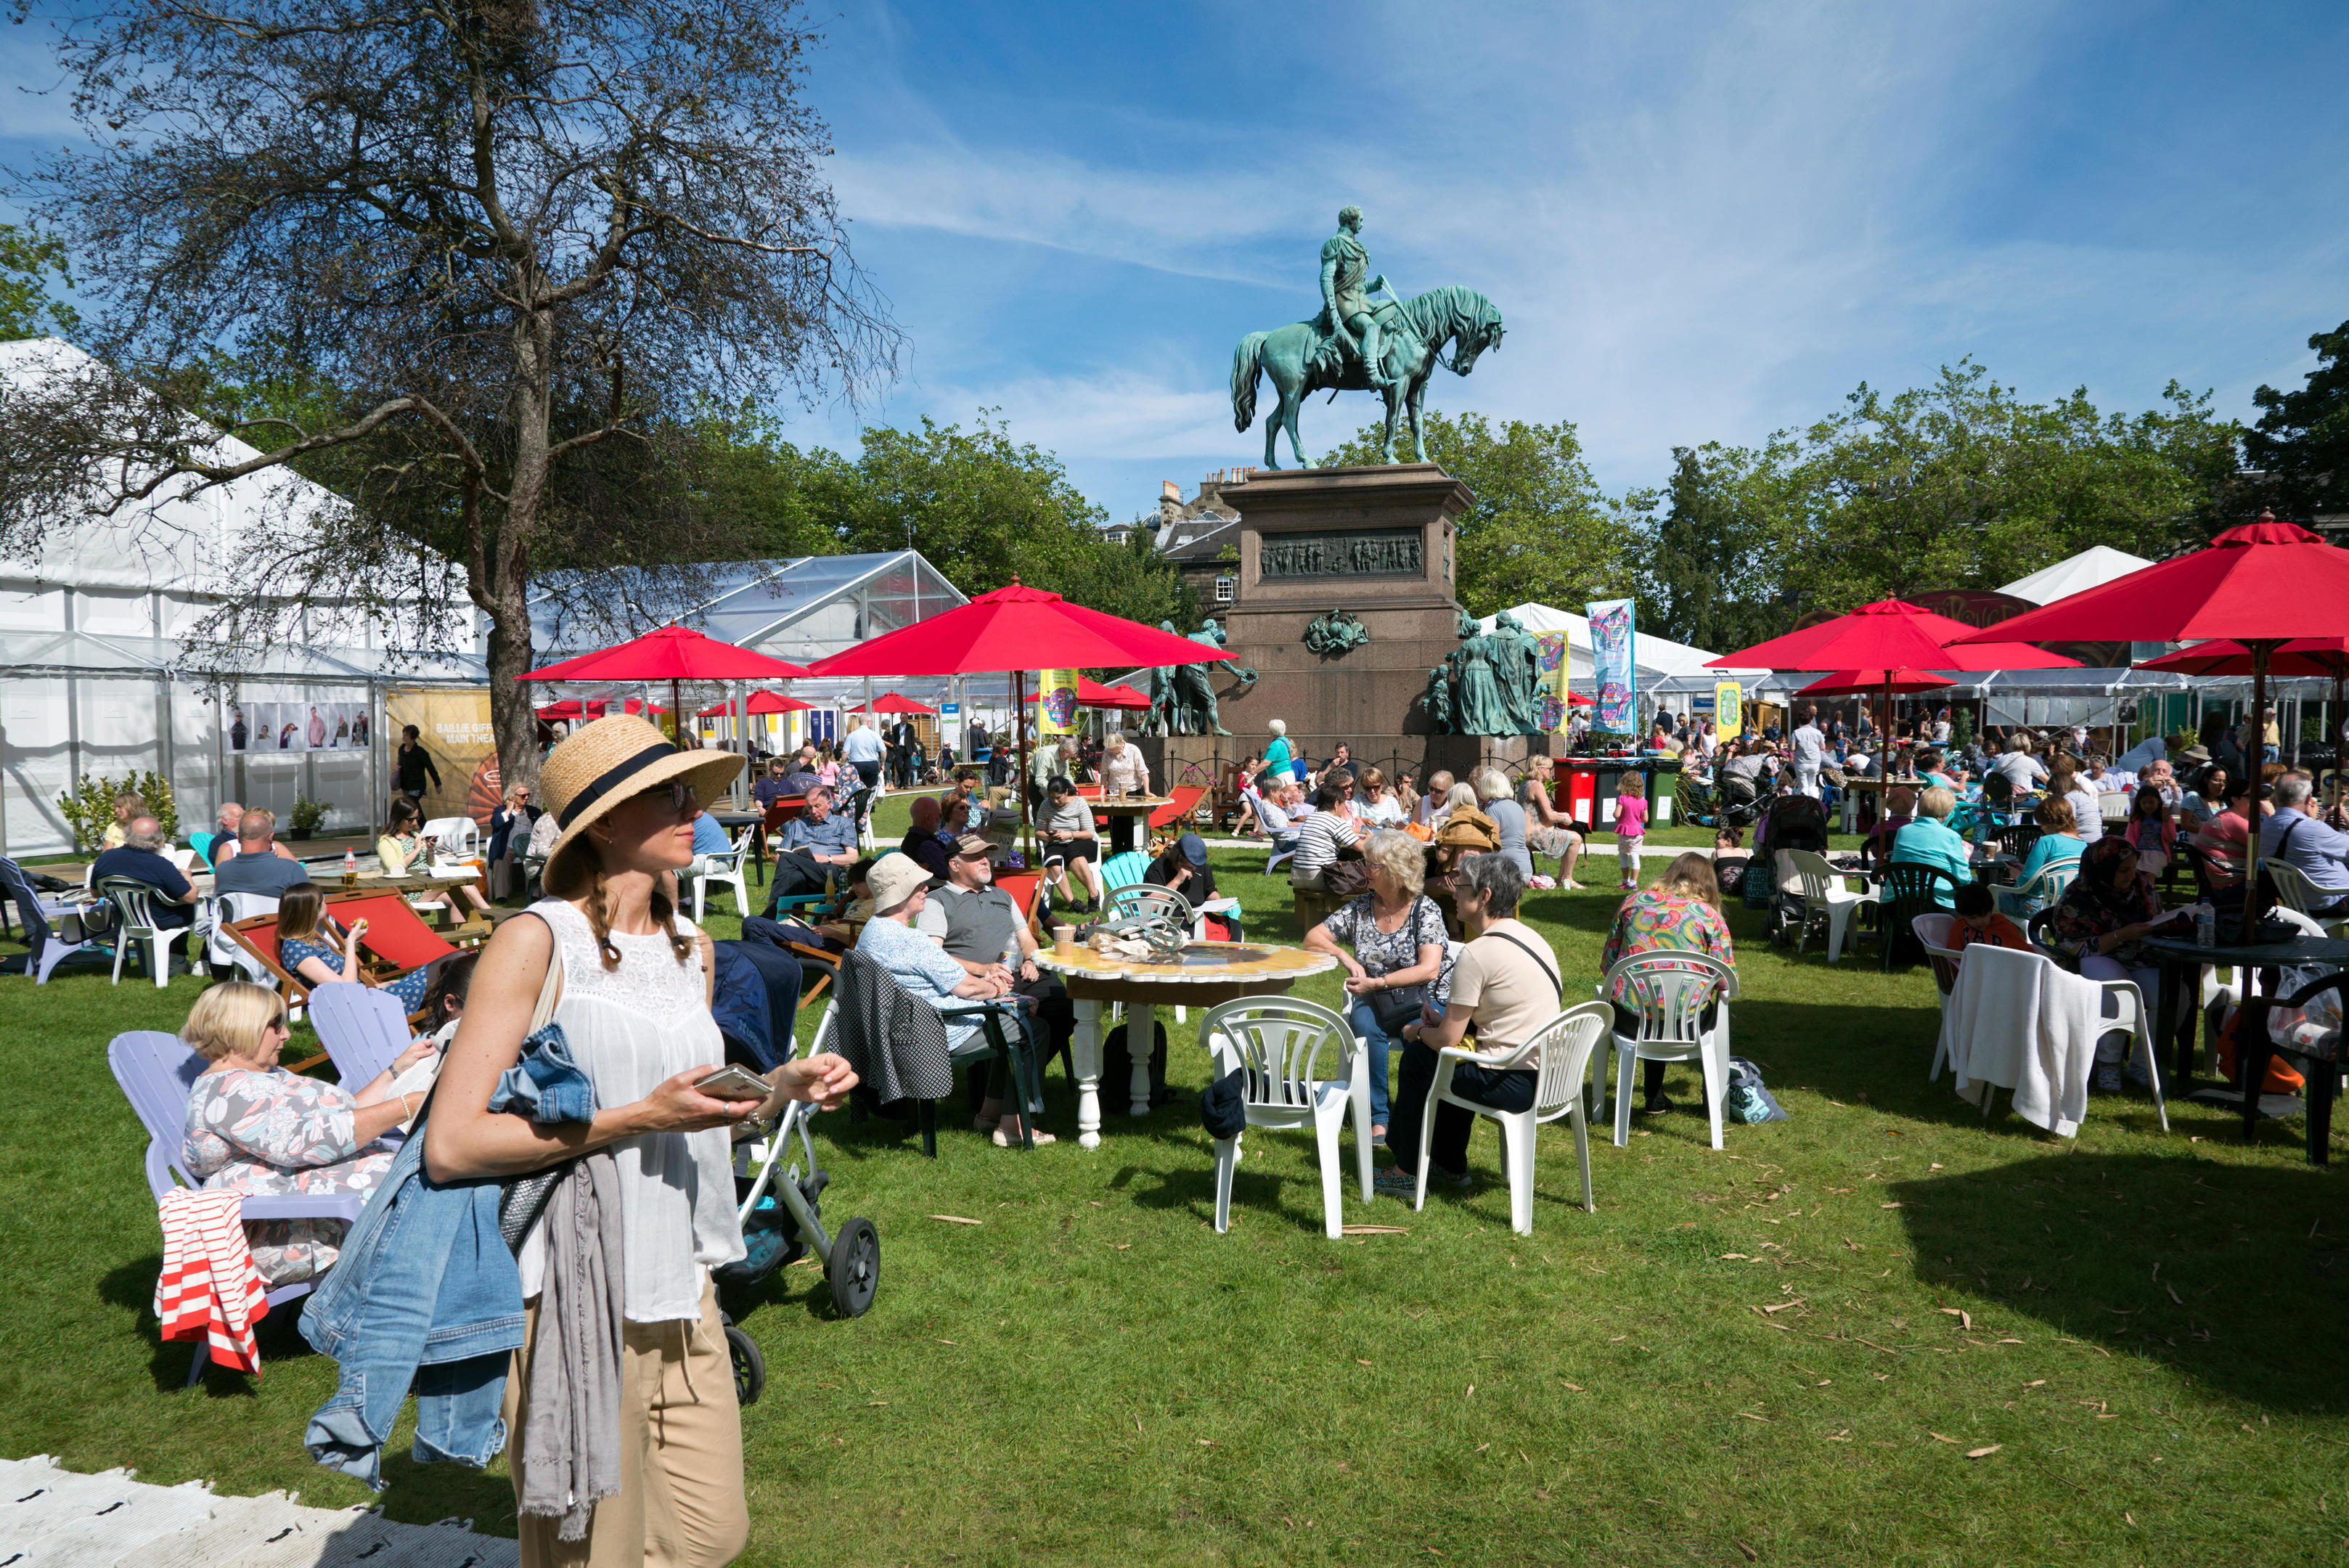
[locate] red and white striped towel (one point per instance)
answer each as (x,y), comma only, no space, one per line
(209,1289)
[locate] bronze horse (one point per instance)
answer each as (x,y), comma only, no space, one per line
(1301,359)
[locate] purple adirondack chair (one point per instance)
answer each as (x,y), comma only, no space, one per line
(363,1029)
(157,1072)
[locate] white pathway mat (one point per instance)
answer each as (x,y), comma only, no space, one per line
(52,1518)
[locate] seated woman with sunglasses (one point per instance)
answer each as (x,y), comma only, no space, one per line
(633,981)
(254,1128)
(312,945)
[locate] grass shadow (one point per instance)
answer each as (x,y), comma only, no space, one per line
(2217,1269)
(131,1286)
(426,1494)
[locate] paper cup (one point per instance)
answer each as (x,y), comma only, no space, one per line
(1064,940)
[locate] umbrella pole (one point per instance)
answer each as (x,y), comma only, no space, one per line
(2257,755)
(1019,784)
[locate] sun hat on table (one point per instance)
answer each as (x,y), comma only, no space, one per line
(600,765)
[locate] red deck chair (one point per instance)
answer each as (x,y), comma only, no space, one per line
(396,933)
(1180,804)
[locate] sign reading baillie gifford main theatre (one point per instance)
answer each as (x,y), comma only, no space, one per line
(1380,553)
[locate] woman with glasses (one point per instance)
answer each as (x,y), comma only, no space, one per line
(254,1128)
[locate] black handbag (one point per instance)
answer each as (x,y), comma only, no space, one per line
(1391,1010)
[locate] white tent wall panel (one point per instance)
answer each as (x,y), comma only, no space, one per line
(35,766)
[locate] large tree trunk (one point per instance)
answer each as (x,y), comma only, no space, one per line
(511,703)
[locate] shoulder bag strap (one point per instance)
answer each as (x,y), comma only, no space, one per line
(1554,978)
(550,990)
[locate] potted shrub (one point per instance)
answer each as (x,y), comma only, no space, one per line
(89,810)
(304,818)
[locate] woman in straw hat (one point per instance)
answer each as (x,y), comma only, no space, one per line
(635,1006)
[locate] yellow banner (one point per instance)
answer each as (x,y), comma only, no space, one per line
(456,734)
(1056,702)
(1728,711)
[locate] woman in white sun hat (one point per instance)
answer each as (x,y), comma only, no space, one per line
(635,1008)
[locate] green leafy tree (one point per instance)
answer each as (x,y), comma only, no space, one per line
(2302,439)
(1962,484)
(1539,530)
(29,259)
(1712,566)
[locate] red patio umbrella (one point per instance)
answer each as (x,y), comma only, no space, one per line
(2303,656)
(760,701)
(1016,629)
(2263,585)
(895,702)
(1891,634)
(675,654)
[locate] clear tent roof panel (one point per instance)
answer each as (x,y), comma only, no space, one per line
(799,610)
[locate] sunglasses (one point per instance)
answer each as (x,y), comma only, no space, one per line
(681,797)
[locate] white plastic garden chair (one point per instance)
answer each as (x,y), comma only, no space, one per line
(1824,892)
(1278,1042)
(726,870)
(2137,1019)
(457,837)
(1560,1052)
(134,921)
(1933,936)
(1669,991)
(2297,893)
(2045,890)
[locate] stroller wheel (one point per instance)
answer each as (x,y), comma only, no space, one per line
(855,1271)
(750,1366)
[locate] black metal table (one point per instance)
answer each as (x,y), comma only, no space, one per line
(2180,962)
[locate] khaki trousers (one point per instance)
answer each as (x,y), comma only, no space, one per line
(681,1501)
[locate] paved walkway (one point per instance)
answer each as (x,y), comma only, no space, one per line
(52,1518)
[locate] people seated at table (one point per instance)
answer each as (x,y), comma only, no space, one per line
(2206,796)
(2059,843)
(1375,805)
(401,851)
(127,808)
(1182,868)
(1550,831)
(2295,834)
(979,926)
(919,964)
(1494,798)
(224,847)
(1271,811)
(253,868)
(141,858)
(1930,841)
(1506,982)
(1326,838)
(2158,773)
(922,843)
(1430,810)
(2225,839)
(1069,843)
(1978,919)
(2023,770)
(314,946)
(1459,797)
(1395,965)
(1679,912)
(1929,768)
(254,1128)
(2100,926)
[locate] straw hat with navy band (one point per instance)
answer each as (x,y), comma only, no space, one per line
(601,764)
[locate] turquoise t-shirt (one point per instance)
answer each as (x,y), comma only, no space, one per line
(2049,848)
(1931,843)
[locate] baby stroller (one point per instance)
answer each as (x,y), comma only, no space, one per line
(781,1222)
(1794,822)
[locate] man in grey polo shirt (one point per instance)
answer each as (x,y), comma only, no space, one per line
(977,923)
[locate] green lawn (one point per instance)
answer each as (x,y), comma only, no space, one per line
(1784,1353)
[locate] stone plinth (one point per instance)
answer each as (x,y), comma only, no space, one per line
(1377,542)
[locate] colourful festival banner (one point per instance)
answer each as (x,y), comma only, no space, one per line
(1728,711)
(454,729)
(1550,669)
(1611,638)
(1056,702)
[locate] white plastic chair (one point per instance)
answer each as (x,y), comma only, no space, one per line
(1560,1052)
(2112,806)
(1824,892)
(458,837)
(1933,935)
(2301,895)
(2045,890)
(1670,991)
(1277,1042)
(2137,1019)
(134,906)
(726,870)
(1149,899)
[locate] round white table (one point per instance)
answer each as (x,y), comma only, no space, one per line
(1208,973)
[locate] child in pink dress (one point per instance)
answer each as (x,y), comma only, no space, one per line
(1630,826)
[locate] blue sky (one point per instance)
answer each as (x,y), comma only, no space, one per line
(1700,221)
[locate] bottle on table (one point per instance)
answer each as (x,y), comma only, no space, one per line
(351,867)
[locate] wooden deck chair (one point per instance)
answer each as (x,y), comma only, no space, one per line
(1180,804)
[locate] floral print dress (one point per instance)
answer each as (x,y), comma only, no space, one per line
(1355,923)
(277,1133)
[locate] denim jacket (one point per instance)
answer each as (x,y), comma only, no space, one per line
(427,1293)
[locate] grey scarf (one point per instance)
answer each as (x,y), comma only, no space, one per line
(570,1445)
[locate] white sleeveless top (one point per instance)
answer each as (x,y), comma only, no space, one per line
(630,1028)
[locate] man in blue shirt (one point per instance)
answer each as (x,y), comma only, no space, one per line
(2293,835)
(709,836)
(827,839)
(923,846)
(141,860)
